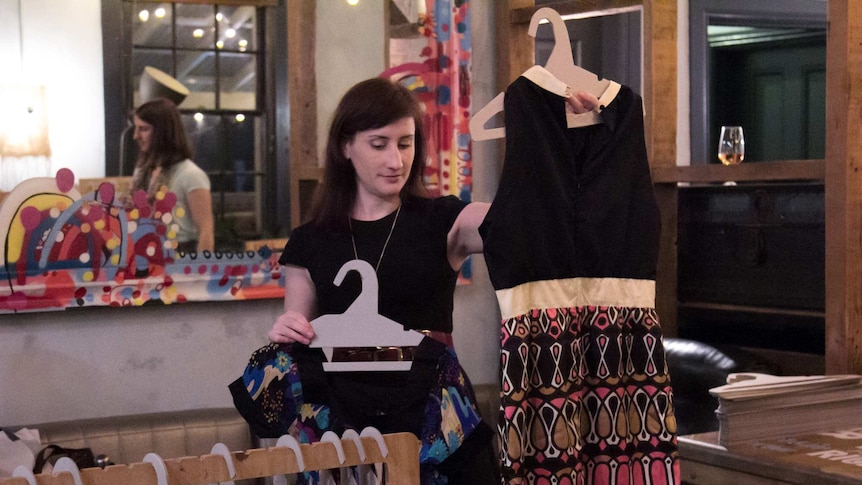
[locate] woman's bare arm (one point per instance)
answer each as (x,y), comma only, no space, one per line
(201,212)
(464,238)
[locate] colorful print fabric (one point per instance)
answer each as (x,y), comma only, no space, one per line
(587,398)
(270,396)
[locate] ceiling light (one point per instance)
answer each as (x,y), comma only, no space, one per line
(353,3)
(240,117)
(220,44)
(144,15)
(198,33)
(199,116)
(160,12)
(230,33)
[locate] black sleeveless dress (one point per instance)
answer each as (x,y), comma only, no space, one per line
(571,243)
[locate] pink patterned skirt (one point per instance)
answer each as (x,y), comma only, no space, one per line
(586,396)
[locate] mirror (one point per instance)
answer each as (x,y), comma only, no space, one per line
(88,95)
(761,66)
(76,51)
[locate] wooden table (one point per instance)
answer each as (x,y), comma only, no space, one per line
(809,459)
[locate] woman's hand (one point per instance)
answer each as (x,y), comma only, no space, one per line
(582,102)
(291,327)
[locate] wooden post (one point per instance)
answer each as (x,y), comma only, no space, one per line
(302,86)
(515,48)
(844,188)
(660,78)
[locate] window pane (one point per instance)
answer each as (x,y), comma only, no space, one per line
(195,26)
(151,24)
(237,78)
(227,148)
(196,70)
(237,30)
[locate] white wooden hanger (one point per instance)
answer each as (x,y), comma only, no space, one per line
(560,66)
(361,326)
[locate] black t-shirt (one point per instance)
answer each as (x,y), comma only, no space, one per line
(415,282)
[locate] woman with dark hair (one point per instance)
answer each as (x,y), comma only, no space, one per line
(372,205)
(164,163)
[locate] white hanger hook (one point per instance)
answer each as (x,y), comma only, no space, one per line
(159,466)
(288,441)
(221,449)
(381,443)
(66,464)
(22,471)
(353,436)
(367,298)
(331,437)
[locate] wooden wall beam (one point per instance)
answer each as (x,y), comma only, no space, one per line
(515,48)
(302,87)
(659,96)
(844,188)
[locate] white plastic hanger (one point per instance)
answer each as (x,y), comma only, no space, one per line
(562,69)
(25,473)
(560,62)
(374,477)
(67,465)
(222,450)
(361,326)
(288,441)
(159,467)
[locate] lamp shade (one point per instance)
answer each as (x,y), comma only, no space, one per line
(157,84)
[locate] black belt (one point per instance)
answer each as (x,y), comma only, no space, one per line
(373,354)
(385,353)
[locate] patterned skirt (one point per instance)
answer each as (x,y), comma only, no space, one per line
(586,397)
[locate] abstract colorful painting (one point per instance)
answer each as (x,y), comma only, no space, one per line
(63,249)
(440,78)
(441,81)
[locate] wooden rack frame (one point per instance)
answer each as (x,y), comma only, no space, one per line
(401,462)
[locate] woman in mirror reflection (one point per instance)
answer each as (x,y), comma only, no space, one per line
(165,163)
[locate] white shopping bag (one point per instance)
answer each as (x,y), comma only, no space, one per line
(18,448)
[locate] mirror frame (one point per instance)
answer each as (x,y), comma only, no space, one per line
(773,13)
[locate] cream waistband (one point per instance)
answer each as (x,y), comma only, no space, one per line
(575,292)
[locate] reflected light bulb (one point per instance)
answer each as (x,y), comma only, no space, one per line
(220,44)
(198,33)
(230,33)
(160,12)
(243,43)
(353,3)
(240,117)
(199,117)
(219,16)
(144,15)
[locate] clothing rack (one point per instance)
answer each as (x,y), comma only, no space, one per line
(398,452)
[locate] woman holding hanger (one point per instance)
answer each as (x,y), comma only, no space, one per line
(372,205)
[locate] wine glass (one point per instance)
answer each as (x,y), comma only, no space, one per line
(731,145)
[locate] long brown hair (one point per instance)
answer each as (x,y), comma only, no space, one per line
(368,105)
(169,144)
